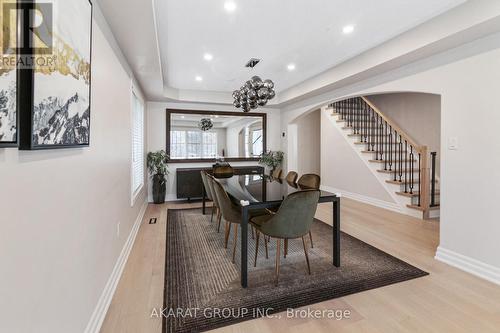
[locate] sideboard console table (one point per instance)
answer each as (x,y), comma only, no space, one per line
(190,185)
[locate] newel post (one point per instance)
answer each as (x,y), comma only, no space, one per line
(425,192)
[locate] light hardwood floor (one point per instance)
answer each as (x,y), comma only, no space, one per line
(448,300)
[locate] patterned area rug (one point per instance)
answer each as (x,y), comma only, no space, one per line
(202,286)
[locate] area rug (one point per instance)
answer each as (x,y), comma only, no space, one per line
(202,286)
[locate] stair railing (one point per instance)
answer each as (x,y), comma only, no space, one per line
(397,152)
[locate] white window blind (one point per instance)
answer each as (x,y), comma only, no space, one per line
(137,145)
(192,144)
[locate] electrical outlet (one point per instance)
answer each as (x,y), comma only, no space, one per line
(118,230)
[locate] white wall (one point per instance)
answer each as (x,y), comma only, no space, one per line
(157,135)
(60,210)
(342,167)
(309,137)
(470,189)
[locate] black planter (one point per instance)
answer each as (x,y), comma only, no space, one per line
(159,189)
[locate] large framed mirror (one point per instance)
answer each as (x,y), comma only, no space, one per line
(206,136)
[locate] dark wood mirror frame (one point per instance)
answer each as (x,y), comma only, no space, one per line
(213,113)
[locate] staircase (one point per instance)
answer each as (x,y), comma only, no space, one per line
(405,167)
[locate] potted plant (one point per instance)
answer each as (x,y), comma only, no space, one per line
(157,166)
(272,159)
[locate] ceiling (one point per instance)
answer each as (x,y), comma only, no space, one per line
(169,54)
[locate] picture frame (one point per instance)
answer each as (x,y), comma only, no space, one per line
(55,98)
(9,78)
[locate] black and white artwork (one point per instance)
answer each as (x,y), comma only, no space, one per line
(8,112)
(61,92)
(8,84)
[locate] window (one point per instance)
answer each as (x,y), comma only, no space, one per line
(209,144)
(177,144)
(137,146)
(193,144)
(257,143)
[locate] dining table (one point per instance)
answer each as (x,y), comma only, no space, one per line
(259,191)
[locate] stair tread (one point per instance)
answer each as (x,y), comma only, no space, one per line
(385,143)
(397,182)
(382,161)
(414,194)
(373,152)
(415,170)
(422,208)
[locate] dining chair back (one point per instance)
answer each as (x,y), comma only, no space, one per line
(293,220)
(294,217)
(204,179)
(291,177)
(230,213)
(309,181)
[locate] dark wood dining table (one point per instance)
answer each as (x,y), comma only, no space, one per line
(259,191)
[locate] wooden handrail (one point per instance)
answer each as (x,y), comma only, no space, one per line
(395,127)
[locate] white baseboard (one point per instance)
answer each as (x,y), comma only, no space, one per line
(97,318)
(365,199)
(470,265)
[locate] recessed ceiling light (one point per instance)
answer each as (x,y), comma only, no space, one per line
(208,56)
(230,6)
(291,67)
(348,29)
(182,117)
(216,116)
(198,78)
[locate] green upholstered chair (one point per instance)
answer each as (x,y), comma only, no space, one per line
(291,177)
(211,186)
(309,181)
(230,212)
(293,220)
(208,191)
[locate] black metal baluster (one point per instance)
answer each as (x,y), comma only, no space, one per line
(433,179)
(411,169)
(365,122)
(372,129)
(349,113)
(358,115)
(395,154)
(390,148)
(406,166)
(381,131)
(400,159)
(385,145)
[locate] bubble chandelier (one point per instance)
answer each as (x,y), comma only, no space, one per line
(254,93)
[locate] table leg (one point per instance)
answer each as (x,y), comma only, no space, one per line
(336,232)
(204,200)
(244,246)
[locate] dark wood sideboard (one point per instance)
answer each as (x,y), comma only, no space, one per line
(190,185)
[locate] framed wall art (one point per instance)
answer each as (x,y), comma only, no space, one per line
(8,75)
(55,91)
